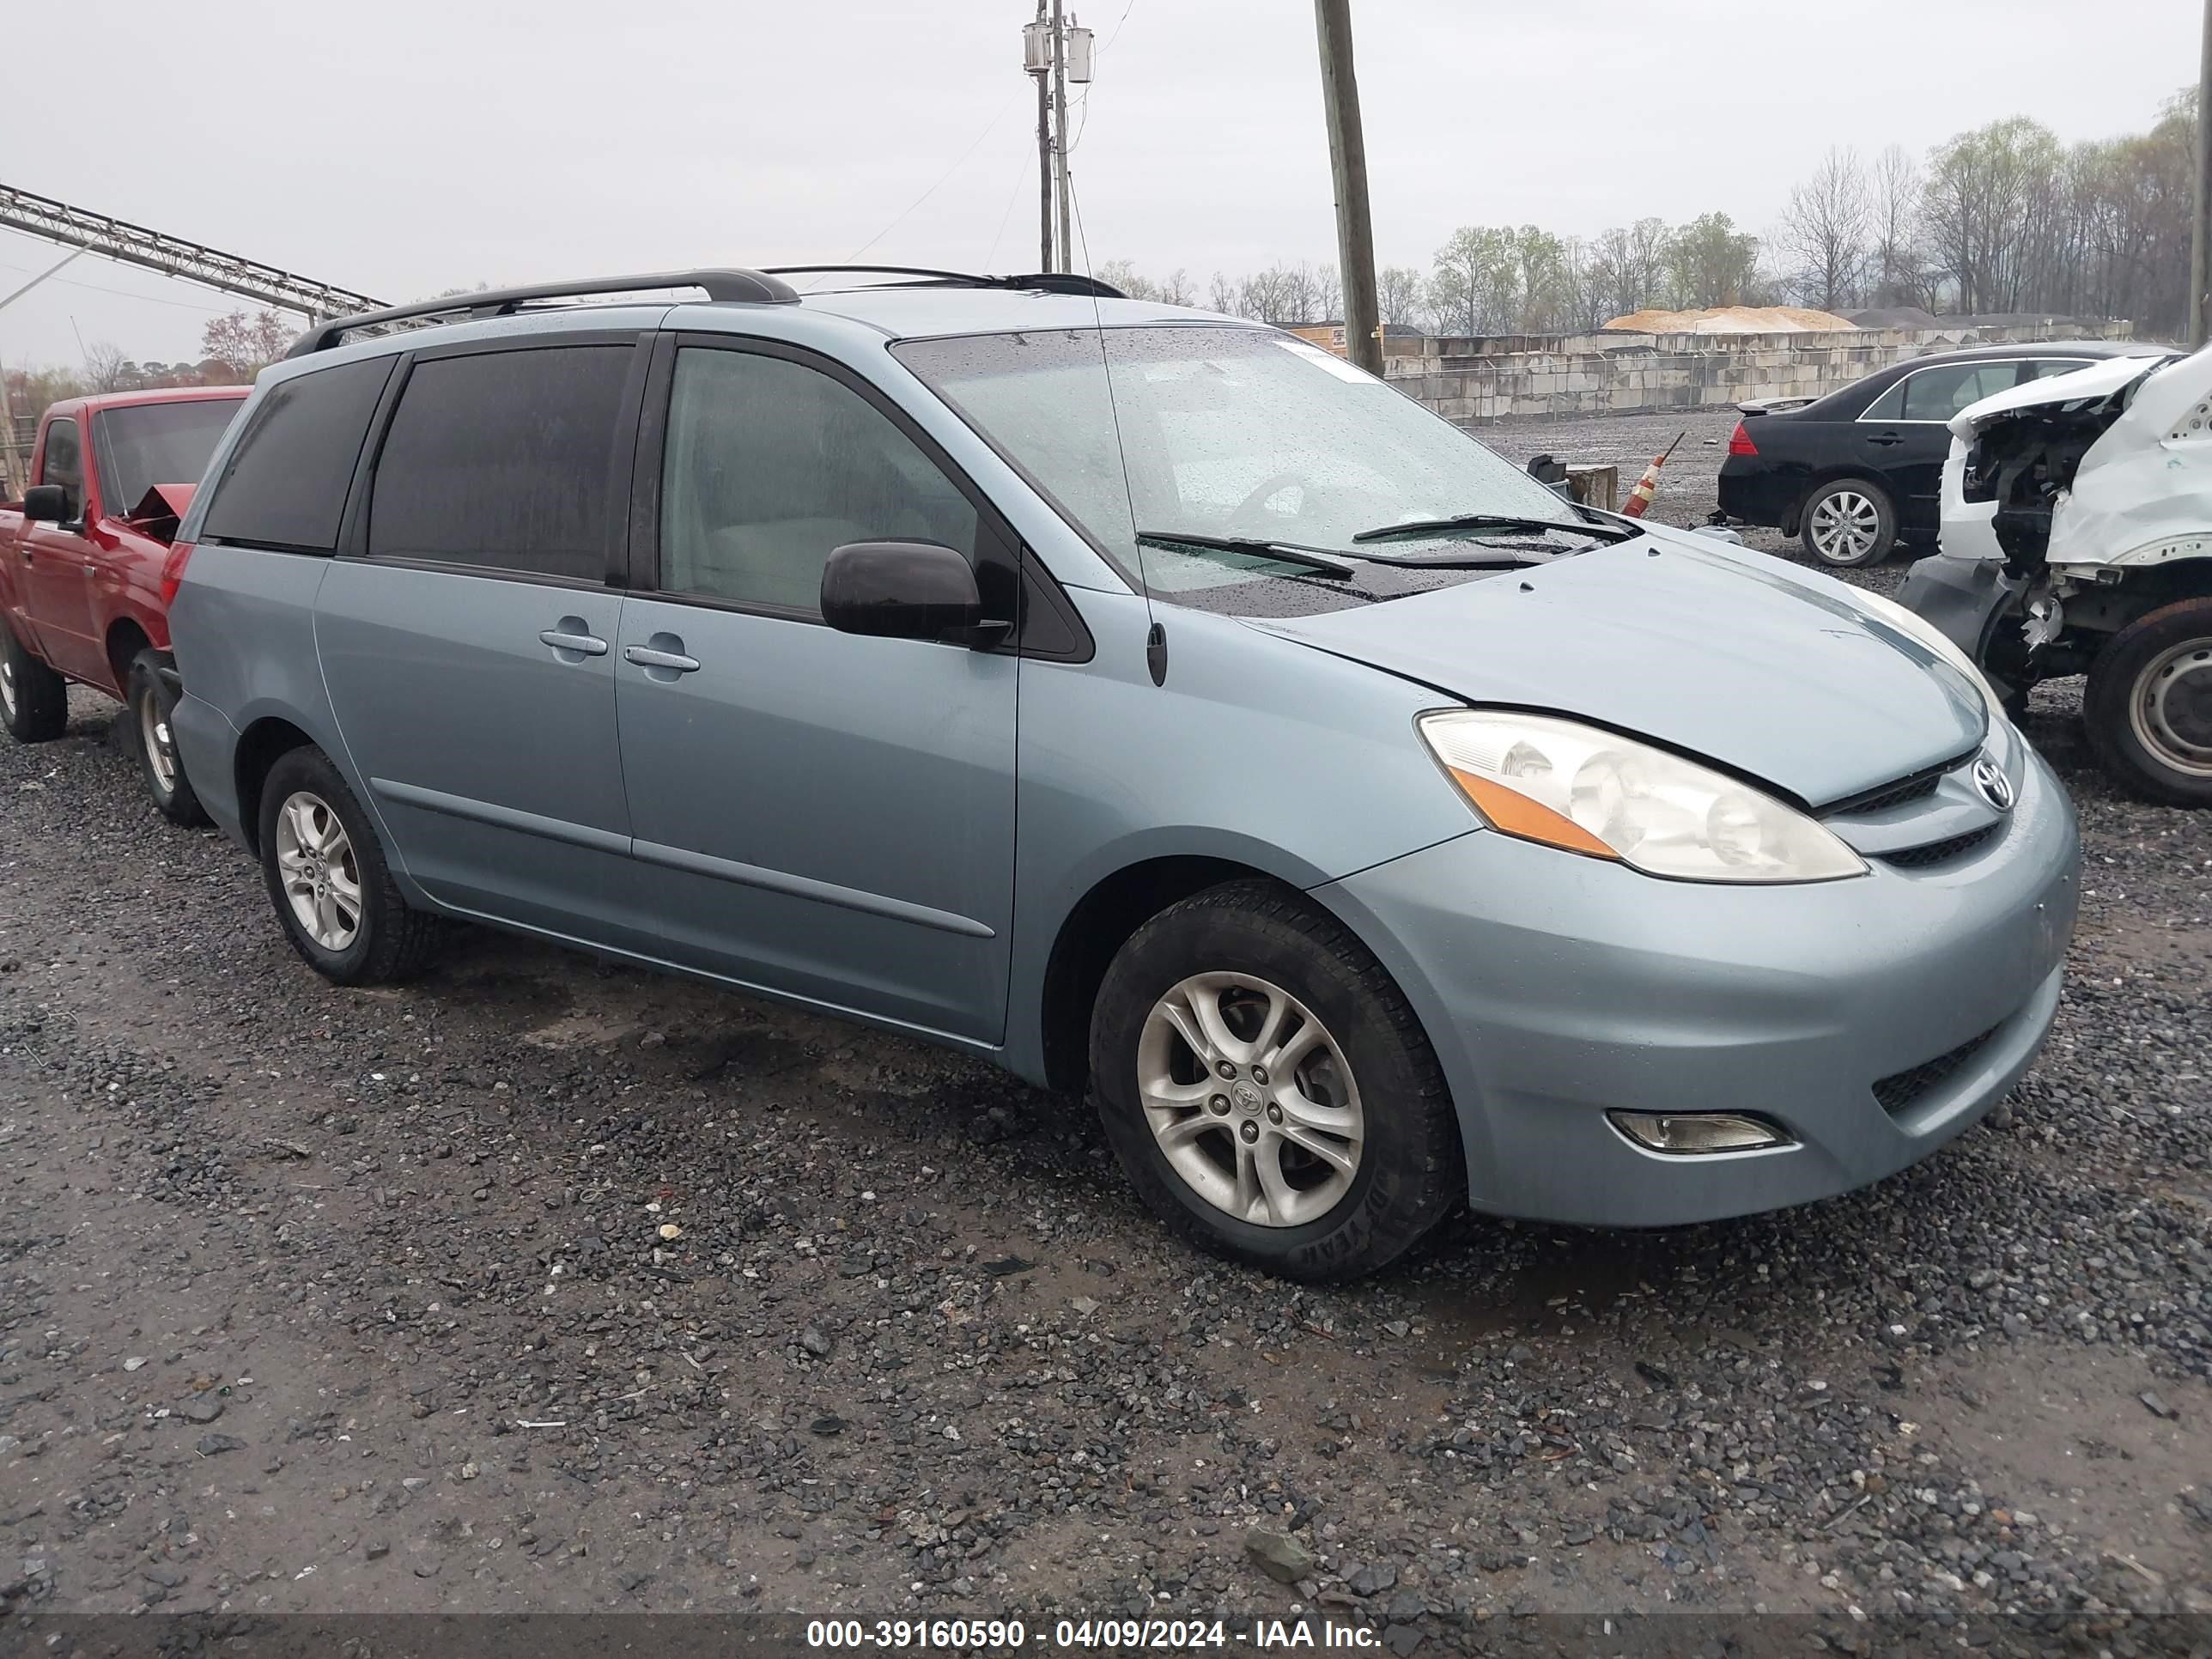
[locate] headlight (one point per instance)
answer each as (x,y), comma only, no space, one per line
(1920,630)
(1587,791)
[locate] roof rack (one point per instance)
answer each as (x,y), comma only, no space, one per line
(1048,282)
(748,287)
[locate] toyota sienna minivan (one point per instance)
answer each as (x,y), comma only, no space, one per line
(1145,700)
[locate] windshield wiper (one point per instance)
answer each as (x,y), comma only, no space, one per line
(1256,547)
(1384,532)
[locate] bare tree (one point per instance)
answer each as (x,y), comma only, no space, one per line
(1825,233)
(106,369)
(1399,294)
(1224,293)
(1899,270)
(246,345)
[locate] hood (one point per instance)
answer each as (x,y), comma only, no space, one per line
(159,510)
(1775,673)
(2099,379)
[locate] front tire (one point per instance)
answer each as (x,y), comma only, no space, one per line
(149,703)
(2149,706)
(1849,523)
(1268,1090)
(33,699)
(327,877)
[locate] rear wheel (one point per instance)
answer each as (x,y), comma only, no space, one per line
(1848,523)
(1268,1089)
(149,701)
(2149,708)
(33,699)
(327,877)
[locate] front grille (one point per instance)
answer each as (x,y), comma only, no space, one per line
(1903,792)
(1940,851)
(1901,1091)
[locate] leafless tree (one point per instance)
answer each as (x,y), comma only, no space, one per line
(1898,273)
(106,369)
(1399,296)
(1825,233)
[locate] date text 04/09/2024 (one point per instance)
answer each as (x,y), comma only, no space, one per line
(1163,1635)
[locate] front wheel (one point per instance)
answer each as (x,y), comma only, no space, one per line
(149,701)
(2149,706)
(1268,1089)
(327,877)
(1848,523)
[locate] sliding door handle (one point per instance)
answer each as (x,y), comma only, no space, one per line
(646,656)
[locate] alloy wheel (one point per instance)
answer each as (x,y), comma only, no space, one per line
(2172,709)
(1250,1099)
(321,877)
(1844,526)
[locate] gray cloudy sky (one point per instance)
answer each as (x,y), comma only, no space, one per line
(449,143)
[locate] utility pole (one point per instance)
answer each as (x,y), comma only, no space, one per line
(1060,129)
(1347,161)
(1036,61)
(2200,239)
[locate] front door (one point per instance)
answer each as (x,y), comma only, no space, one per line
(56,568)
(816,813)
(468,636)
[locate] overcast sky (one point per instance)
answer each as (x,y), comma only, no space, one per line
(411,147)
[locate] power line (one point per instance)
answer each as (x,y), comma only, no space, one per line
(933,189)
(1085,112)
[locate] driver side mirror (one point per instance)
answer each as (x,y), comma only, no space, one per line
(905,590)
(47,504)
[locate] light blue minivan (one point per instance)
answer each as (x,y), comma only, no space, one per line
(1145,700)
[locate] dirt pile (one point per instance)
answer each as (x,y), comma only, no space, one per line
(1731,320)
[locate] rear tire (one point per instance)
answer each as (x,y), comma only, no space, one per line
(1327,1167)
(2149,706)
(327,877)
(147,702)
(33,699)
(1848,523)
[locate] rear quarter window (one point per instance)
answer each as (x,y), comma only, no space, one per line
(284,484)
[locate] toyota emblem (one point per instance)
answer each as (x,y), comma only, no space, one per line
(1996,788)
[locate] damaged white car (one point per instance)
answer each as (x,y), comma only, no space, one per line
(2077,540)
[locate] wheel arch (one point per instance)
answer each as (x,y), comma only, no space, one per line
(127,635)
(1094,930)
(260,746)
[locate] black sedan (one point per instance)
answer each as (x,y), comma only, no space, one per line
(1854,472)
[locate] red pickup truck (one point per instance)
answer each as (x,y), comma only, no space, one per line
(85,576)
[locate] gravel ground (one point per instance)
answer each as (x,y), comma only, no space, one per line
(542,1285)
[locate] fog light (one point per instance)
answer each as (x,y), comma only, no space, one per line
(1685,1134)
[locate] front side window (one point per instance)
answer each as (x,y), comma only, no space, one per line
(772,465)
(505,460)
(65,466)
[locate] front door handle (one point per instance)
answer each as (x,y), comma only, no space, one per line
(651,656)
(573,638)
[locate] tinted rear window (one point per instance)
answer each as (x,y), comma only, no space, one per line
(506,460)
(284,484)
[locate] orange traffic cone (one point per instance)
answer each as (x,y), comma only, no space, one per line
(1648,486)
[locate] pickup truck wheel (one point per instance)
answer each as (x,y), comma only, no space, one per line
(327,877)
(148,699)
(33,699)
(1268,1090)
(2149,706)
(1848,523)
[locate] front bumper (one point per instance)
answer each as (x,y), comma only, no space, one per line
(1555,987)
(1961,595)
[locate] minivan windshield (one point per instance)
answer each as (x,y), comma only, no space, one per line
(1225,433)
